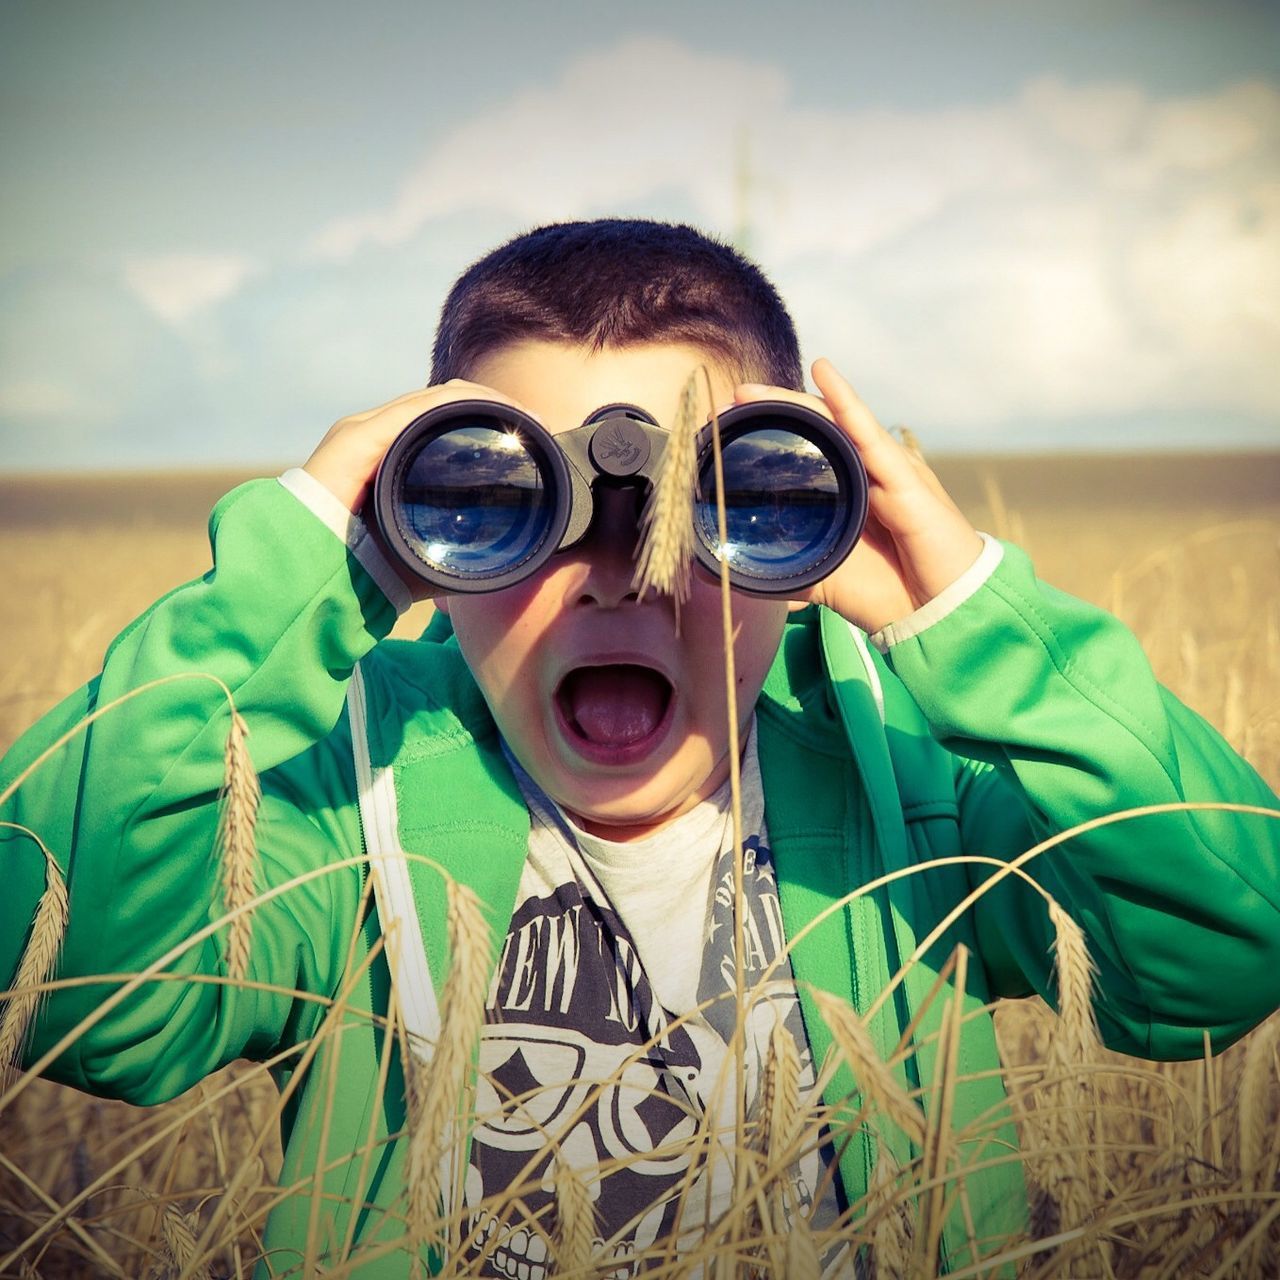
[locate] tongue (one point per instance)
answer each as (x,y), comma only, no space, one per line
(616,705)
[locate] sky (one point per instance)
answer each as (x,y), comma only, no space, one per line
(1014,225)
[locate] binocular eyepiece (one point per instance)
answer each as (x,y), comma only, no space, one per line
(476,496)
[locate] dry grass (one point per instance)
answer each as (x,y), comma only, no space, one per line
(665,562)
(236,851)
(1060,1154)
(1172,1169)
(48,929)
(880,1089)
(438,1075)
(575,1223)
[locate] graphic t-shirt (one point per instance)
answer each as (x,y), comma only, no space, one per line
(596,1045)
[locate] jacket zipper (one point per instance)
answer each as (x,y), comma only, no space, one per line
(394,898)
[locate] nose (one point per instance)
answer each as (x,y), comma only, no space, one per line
(608,550)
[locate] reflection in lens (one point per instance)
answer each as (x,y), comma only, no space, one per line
(784,510)
(472,502)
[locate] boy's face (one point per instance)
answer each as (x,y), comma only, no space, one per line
(617,718)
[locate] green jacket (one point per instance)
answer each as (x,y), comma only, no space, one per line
(1021,713)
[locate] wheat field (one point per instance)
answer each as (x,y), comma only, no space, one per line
(1181,1161)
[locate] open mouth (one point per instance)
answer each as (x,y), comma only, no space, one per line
(614,712)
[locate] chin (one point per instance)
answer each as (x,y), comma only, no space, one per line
(620,828)
(632,814)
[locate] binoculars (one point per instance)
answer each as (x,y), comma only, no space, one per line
(476,496)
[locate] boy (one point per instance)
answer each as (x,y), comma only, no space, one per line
(561,748)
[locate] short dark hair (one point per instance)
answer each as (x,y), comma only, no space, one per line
(615,282)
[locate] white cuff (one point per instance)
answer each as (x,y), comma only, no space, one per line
(351,530)
(947,600)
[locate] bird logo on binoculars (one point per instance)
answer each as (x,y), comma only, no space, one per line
(618,450)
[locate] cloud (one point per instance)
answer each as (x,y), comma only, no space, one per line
(1074,256)
(177,285)
(89,376)
(619,125)
(36,400)
(1072,250)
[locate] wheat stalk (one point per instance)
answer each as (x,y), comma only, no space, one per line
(236,851)
(48,929)
(876,1081)
(908,440)
(775,1123)
(1066,1200)
(665,557)
(940,1139)
(575,1231)
(179,1231)
(803,1262)
(435,1090)
(893,1229)
(1252,1110)
(1075,1042)
(422,1165)
(779,1102)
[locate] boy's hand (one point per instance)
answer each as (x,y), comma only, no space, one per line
(347,459)
(916,541)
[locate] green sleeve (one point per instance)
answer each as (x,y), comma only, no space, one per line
(129,806)
(1057,719)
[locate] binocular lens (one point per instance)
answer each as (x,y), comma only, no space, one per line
(784,510)
(476,496)
(474,503)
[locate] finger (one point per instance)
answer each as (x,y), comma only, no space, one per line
(885,458)
(930,478)
(747,392)
(888,463)
(415,403)
(409,397)
(917,459)
(378,428)
(346,459)
(898,471)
